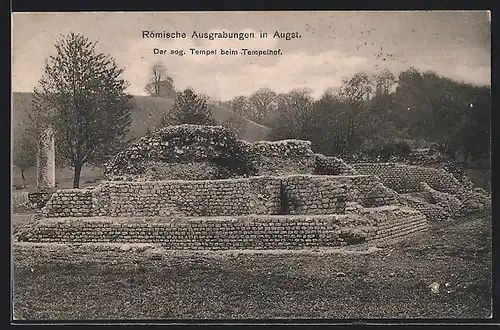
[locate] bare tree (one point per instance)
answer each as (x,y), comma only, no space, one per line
(24,150)
(160,83)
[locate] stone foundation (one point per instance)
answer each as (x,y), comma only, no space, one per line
(407,178)
(222,233)
(294,194)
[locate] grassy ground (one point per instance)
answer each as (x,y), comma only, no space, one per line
(83,282)
(90,176)
(481,177)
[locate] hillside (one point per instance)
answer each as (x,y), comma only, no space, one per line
(147,112)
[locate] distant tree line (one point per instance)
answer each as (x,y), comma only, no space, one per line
(366,113)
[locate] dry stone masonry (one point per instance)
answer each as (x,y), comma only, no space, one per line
(292,194)
(69,203)
(198,187)
(332,166)
(279,157)
(433,212)
(407,178)
(239,232)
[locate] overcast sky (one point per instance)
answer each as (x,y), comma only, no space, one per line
(332,45)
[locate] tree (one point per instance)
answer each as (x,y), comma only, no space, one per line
(292,119)
(236,124)
(239,105)
(82,96)
(189,108)
(24,150)
(384,82)
(160,83)
(355,92)
(261,104)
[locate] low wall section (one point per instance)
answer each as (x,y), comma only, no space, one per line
(243,232)
(296,194)
(285,156)
(332,166)
(407,178)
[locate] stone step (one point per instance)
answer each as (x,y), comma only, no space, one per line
(401,232)
(390,224)
(400,235)
(401,227)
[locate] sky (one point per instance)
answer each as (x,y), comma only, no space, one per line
(332,45)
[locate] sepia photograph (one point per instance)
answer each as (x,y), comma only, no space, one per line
(255,166)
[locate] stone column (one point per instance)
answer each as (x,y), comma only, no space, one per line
(46,162)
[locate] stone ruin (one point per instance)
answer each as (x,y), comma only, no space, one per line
(198,187)
(45,170)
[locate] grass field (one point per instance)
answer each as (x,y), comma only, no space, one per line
(90,176)
(83,282)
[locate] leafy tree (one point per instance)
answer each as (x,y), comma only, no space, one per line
(82,96)
(239,105)
(261,104)
(285,122)
(24,150)
(355,92)
(189,108)
(293,116)
(329,117)
(384,82)
(473,139)
(160,83)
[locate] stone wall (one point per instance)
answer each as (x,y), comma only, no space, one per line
(283,157)
(193,152)
(188,198)
(433,212)
(332,166)
(448,202)
(407,178)
(298,194)
(39,199)
(394,221)
(202,170)
(217,233)
(369,191)
(69,203)
(307,194)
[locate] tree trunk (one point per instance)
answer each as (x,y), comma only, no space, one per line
(76,178)
(24,179)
